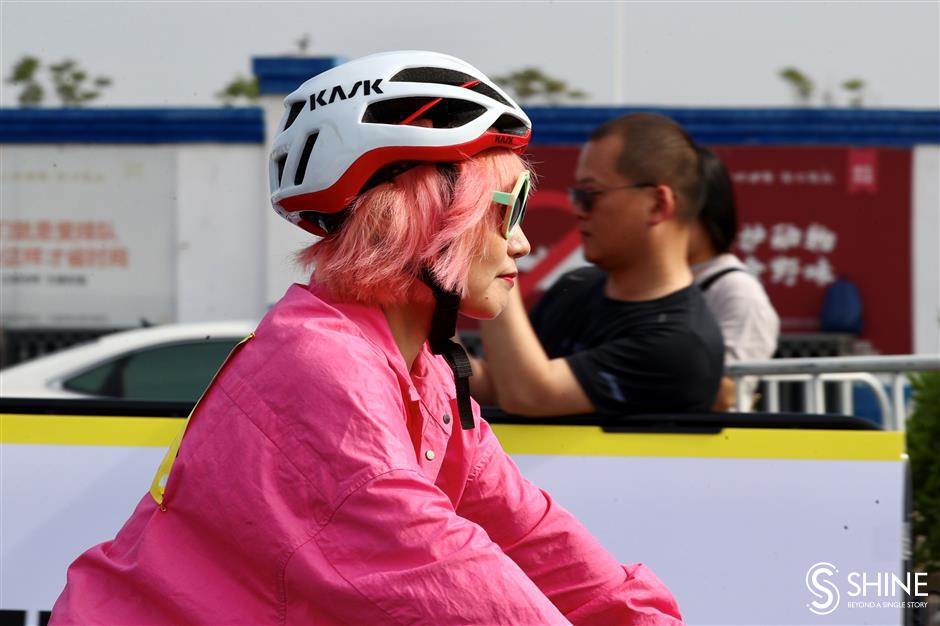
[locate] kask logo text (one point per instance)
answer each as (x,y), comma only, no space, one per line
(337,92)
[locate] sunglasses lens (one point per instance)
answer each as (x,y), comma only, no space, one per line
(518,207)
(516,212)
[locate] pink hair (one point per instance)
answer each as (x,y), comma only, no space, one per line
(420,219)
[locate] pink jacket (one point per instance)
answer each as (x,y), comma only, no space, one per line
(320,483)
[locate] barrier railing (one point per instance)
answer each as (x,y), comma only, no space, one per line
(813,373)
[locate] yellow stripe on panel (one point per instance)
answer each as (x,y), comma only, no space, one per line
(732,443)
(74,430)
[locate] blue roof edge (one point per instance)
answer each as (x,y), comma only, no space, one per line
(133,125)
(278,76)
(553,125)
(755,126)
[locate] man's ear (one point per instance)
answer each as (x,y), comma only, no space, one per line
(664,208)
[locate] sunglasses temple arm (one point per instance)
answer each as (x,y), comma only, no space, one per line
(502,197)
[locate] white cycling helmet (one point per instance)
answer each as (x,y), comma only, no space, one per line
(351,128)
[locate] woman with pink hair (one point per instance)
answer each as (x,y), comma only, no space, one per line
(336,471)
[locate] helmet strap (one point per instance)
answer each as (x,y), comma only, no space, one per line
(330,223)
(443,328)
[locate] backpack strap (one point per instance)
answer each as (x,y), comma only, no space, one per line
(711,280)
(158,486)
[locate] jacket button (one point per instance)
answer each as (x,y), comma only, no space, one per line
(429,455)
(447,419)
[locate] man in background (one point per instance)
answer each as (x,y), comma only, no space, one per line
(631,334)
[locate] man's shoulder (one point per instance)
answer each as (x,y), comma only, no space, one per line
(687,300)
(587,274)
(677,325)
(695,304)
(577,281)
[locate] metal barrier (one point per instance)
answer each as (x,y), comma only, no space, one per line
(23,344)
(813,373)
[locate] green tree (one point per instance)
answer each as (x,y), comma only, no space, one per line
(71,84)
(529,83)
(923,433)
(801,83)
(856,89)
(804,88)
(238,88)
(24,75)
(247,88)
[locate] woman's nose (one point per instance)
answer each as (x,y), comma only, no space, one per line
(518,244)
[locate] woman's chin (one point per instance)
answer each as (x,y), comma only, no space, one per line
(485,310)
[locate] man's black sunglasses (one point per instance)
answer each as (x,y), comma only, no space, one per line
(584,198)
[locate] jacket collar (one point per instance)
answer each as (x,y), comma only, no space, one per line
(372,324)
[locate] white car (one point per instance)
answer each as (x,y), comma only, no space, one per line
(174,362)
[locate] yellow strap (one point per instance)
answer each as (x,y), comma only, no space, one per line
(159,481)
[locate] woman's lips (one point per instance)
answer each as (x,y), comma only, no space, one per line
(509,278)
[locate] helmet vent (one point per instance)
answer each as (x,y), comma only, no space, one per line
(443,76)
(437,75)
(304,157)
(295,110)
(280,169)
(486,90)
(393,111)
(446,113)
(511,125)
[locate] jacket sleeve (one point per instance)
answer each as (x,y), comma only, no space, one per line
(555,551)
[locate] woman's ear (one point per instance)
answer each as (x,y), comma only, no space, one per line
(664,207)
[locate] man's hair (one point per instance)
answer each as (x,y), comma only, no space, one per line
(719,214)
(657,150)
(435,216)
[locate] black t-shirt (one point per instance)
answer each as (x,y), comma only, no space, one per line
(656,356)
